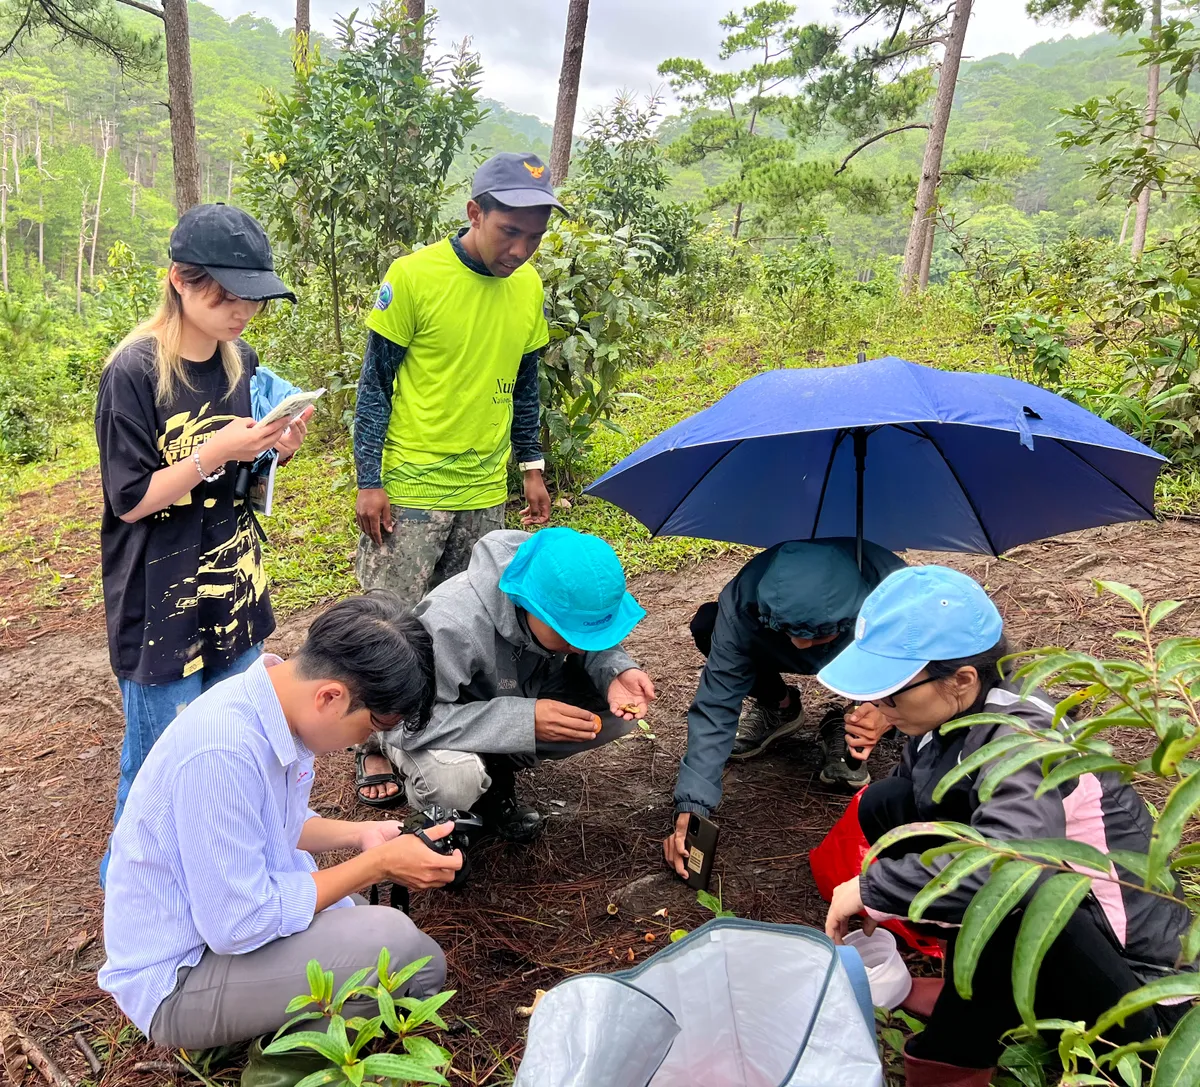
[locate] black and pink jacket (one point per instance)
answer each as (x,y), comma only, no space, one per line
(1099,809)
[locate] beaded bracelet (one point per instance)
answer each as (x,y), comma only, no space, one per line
(200,468)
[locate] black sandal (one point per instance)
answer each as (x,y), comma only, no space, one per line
(362,779)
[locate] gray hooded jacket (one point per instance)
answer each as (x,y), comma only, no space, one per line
(490,669)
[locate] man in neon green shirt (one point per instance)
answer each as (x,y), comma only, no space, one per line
(449,386)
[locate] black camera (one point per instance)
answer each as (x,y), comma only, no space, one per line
(467,825)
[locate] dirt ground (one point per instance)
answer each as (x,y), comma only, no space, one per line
(530,916)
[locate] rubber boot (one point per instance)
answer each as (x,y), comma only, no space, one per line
(919,1073)
(923,996)
(502,813)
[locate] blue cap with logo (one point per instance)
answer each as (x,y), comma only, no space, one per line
(517,181)
(914,616)
(575,585)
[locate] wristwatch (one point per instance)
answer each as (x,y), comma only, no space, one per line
(532,465)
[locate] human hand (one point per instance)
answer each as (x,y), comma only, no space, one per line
(377,832)
(373,513)
(293,435)
(865,727)
(537,498)
(630,694)
(558,722)
(847,903)
(674,850)
(410,862)
(241,440)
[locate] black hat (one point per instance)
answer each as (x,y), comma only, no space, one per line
(517,181)
(231,247)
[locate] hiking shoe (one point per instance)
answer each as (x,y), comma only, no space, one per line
(841,767)
(502,813)
(760,726)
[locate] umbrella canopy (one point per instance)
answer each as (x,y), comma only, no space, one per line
(909,456)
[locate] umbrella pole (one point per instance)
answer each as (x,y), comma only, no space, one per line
(860,467)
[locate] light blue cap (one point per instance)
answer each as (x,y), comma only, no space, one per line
(574,584)
(914,616)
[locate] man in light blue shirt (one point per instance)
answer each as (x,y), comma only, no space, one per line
(214,902)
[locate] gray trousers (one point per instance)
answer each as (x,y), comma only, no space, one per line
(230,998)
(424,548)
(457,779)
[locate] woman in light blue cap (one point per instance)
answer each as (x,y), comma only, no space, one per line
(928,649)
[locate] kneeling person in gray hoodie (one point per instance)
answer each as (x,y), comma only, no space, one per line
(529,666)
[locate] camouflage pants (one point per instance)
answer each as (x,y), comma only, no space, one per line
(424,548)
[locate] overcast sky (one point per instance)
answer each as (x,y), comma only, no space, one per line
(521,40)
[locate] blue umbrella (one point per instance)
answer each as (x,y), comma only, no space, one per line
(909,456)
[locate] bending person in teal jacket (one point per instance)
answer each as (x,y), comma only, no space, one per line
(791,609)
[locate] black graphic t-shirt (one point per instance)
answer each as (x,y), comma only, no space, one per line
(184,588)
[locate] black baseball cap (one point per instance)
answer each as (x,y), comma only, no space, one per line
(518,181)
(230,246)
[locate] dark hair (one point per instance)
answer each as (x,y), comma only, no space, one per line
(488,203)
(378,649)
(987,664)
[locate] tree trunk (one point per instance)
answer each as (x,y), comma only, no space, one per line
(229,185)
(83,221)
(1143,207)
(37,158)
(931,165)
(568,91)
(1125,224)
(181,105)
(927,252)
(303,29)
(99,202)
(335,286)
(137,155)
(415,10)
(4,199)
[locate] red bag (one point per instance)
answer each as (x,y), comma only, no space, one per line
(839,858)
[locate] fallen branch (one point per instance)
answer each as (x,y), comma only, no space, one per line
(89,1054)
(49,1071)
(158,1066)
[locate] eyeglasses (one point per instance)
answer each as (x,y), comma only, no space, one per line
(890,700)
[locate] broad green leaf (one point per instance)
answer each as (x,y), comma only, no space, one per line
(327,986)
(974,719)
(354,1073)
(1130,1067)
(296,1003)
(1138,864)
(1174,985)
(404,1068)
(348,986)
(1131,596)
(1161,610)
(307,1039)
(1063,850)
(914,830)
(407,973)
(1052,907)
(988,753)
(316,980)
(678,934)
(1181,805)
(325,1075)
(383,965)
(426,1011)
(1026,1062)
(950,846)
(337,1033)
(427,1051)
(709,901)
(992,903)
(387,1009)
(303,1017)
(1072,768)
(1113,1057)
(1178,1064)
(964,865)
(368,1032)
(1015,762)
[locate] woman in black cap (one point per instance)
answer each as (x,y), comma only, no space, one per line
(185,595)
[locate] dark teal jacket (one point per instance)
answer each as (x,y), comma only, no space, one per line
(805,588)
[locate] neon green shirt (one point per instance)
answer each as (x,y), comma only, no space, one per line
(449,437)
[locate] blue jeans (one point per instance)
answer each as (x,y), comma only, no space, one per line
(149,708)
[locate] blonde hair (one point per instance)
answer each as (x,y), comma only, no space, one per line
(165,328)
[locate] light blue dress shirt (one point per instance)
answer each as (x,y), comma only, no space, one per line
(205,854)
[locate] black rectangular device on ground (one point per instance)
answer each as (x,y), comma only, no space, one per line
(701,844)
